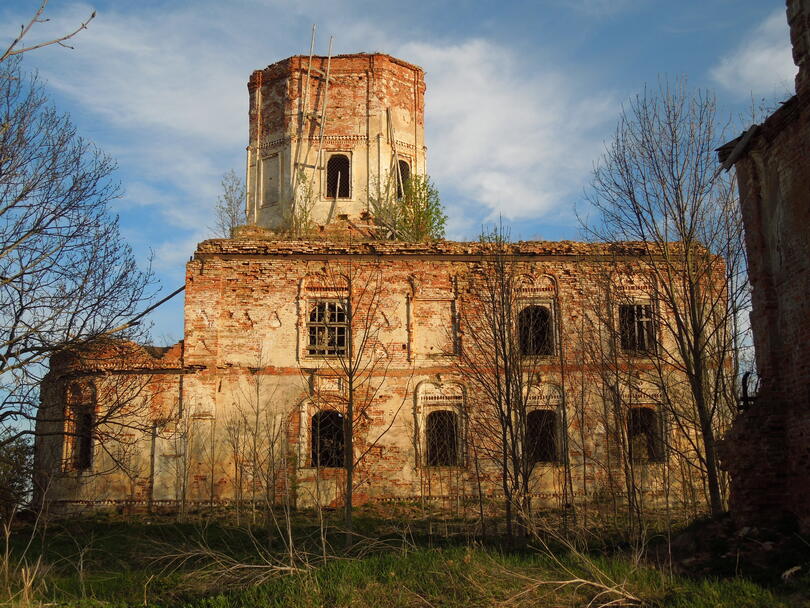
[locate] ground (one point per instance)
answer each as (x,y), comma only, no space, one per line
(422,560)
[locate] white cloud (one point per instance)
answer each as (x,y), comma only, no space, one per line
(164,91)
(508,135)
(762,65)
(513,140)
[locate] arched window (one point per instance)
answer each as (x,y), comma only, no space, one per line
(403,175)
(80,417)
(442,439)
(327,329)
(327,439)
(536,331)
(541,436)
(645,435)
(338,176)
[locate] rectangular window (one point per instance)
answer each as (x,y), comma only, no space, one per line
(636,328)
(442,439)
(645,435)
(327,329)
(541,436)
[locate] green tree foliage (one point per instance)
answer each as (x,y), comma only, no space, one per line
(416,215)
(16,462)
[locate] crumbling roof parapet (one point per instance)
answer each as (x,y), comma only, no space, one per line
(271,246)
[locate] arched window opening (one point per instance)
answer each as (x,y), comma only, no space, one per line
(541,436)
(80,417)
(636,328)
(535,331)
(403,175)
(442,439)
(327,439)
(644,435)
(338,176)
(327,329)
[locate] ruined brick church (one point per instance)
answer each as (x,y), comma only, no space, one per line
(251,405)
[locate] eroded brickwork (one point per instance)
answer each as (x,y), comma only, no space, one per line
(768,451)
(230,413)
(244,374)
(374,118)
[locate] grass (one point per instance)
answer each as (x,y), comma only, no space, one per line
(106,562)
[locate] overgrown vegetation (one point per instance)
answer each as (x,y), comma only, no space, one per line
(411,212)
(16,469)
(229,211)
(425,560)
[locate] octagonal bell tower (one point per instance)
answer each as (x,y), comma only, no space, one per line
(328,134)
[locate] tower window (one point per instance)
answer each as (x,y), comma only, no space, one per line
(541,436)
(79,422)
(535,331)
(442,439)
(338,176)
(328,447)
(327,329)
(644,435)
(636,328)
(403,175)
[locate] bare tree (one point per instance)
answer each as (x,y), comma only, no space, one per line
(66,276)
(18,47)
(657,184)
(507,336)
(229,211)
(347,329)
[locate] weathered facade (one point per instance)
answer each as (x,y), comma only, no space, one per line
(768,451)
(283,336)
(251,364)
(328,150)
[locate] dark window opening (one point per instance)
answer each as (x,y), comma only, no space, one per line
(636,327)
(327,329)
(534,327)
(84,440)
(79,425)
(541,436)
(442,439)
(644,439)
(328,448)
(403,175)
(338,176)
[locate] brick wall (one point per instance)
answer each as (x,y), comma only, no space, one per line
(768,452)
(247,303)
(370,97)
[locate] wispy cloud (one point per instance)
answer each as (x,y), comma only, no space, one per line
(506,136)
(512,140)
(601,8)
(762,65)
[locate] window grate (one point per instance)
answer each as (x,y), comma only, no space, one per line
(327,330)
(636,328)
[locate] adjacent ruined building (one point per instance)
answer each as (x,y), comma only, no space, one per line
(284,333)
(768,451)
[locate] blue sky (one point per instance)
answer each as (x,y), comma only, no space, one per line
(521,95)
